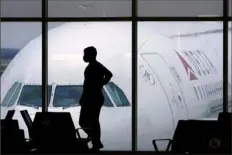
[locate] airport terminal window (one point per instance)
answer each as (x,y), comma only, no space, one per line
(21,8)
(31,95)
(10,94)
(68,96)
(117,95)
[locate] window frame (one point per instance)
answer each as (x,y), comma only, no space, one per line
(44,19)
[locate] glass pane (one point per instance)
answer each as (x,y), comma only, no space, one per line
(175,8)
(31,96)
(94,8)
(230,67)
(117,95)
(9,94)
(179,64)
(20,69)
(66,44)
(21,8)
(67,96)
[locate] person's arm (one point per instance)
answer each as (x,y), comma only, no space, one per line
(107,75)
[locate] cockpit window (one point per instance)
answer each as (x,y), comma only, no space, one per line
(15,96)
(67,96)
(117,95)
(12,94)
(31,95)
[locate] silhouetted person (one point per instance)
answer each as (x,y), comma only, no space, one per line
(92,99)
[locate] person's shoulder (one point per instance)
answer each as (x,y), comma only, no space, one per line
(99,64)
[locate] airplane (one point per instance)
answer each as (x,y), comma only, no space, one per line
(179,78)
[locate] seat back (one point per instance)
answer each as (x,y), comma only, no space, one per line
(9,124)
(12,138)
(194,136)
(27,119)
(224,118)
(224,121)
(10,114)
(180,138)
(53,129)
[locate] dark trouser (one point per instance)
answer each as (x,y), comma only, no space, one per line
(89,118)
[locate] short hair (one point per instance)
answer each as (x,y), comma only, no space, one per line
(91,50)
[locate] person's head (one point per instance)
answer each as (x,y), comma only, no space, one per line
(90,54)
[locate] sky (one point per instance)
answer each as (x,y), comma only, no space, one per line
(18,34)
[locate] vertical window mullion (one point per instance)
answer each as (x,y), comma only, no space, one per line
(225,54)
(134,75)
(44,57)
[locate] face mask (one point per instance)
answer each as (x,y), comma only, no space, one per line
(85,59)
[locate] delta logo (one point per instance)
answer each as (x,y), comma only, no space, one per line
(190,72)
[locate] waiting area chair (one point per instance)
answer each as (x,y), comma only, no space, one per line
(54,132)
(12,138)
(200,137)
